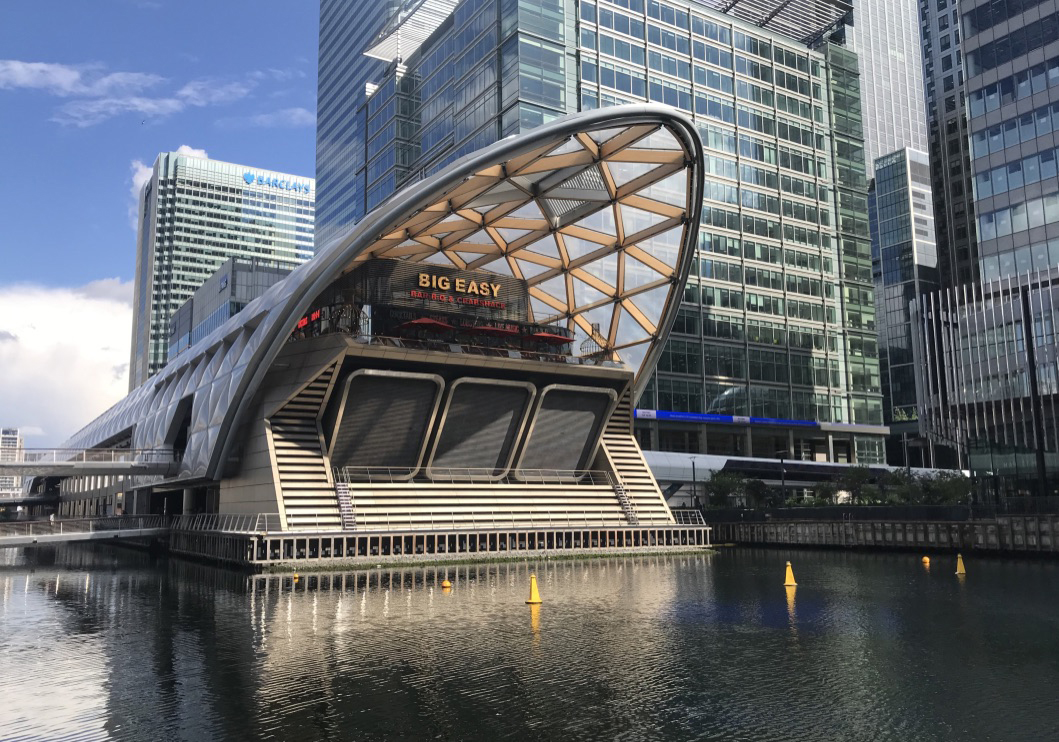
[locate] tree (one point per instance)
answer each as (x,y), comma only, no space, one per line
(725,489)
(857,481)
(757,492)
(946,488)
(825,493)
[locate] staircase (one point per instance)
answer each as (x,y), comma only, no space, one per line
(626,503)
(636,488)
(345,506)
(305,482)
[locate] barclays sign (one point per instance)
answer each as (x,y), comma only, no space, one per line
(281,183)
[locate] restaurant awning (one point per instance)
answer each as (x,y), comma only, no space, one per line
(426,323)
(551,338)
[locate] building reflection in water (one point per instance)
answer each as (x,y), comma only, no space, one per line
(104,643)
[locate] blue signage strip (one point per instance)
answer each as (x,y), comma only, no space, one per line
(281,183)
(699,417)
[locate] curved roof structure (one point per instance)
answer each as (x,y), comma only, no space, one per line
(597,211)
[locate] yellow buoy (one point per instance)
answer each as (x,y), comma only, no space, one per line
(789,582)
(926,561)
(446,585)
(296,578)
(535,597)
(960,569)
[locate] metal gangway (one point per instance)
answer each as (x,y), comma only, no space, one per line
(31,532)
(74,462)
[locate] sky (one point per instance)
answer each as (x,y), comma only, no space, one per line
(90,93)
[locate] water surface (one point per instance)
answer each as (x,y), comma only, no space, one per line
(104,643)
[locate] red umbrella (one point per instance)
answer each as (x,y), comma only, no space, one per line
(551,338)
(428,324)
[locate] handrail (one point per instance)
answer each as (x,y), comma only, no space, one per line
(95,455)
(82,525)
(425,475)
(228,522)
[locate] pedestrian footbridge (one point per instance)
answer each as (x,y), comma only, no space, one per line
(69,462)
(29,533)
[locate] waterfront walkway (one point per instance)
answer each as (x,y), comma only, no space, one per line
(39,532)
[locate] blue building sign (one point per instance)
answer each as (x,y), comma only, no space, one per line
(281,183)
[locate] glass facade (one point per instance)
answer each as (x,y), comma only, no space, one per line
(195,214)
(950,156)
(886,37)
(344,72)
(10,450)
(905,267)
(989,359)
(1013,109)
(774,348)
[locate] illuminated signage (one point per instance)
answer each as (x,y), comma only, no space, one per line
(459,285)
(275,182)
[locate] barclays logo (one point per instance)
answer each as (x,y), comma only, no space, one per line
(281,183)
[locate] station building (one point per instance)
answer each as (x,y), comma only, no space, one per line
(468,355)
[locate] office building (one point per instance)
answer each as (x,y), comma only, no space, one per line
(905,267)
(1012,67)
(950,158)
(774,349)
(194,214)
(886,38)
(461,364)
(234,285)
(987,346)
(346,30)
(988,356)
(10,450)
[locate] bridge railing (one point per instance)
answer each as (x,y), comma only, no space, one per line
(448,475)
(227,523)
(97,455)
(81,525)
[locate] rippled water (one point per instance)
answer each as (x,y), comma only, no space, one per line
(101,643)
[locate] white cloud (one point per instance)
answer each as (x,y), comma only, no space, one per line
(287,118)
(68,360)
(68,80)
(141,173)
(210,92)
(91,111)
(98,95)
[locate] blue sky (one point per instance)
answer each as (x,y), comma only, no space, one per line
(89,88)
(90,92)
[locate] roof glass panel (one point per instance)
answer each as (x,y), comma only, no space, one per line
(579,248)
(658,139)
(604,268)
(599,136)
(638,274)
(664,246)
(636,220)
(601,221)
(530,270)
(671,190)
(585,294)
(555,286)
(545,246)
(629,330)
(624,172)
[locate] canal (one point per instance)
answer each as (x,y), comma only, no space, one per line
(104,643)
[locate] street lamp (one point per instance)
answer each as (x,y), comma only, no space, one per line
(783,477)
(694,483)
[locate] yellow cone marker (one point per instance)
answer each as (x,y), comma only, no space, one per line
(535,597)
(960,569)
(789,582)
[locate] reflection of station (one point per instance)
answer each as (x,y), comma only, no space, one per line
(465,358)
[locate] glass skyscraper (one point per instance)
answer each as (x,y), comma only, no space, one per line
(774,351)
(196,213)
(905,267)
(987,347)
